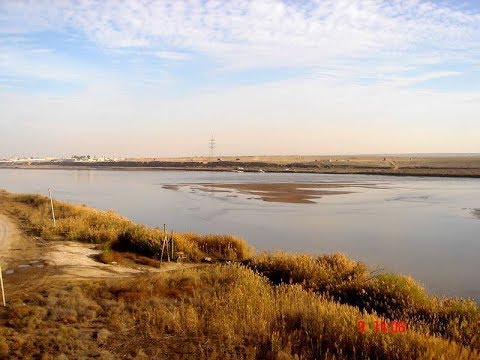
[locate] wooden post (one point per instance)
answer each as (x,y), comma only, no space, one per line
(171,237)
(51,204)
(163,244)
(168,251)
(163,247)
(3,290)
(167,242)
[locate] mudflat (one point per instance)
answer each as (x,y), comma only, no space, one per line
(300,193)
(476,212)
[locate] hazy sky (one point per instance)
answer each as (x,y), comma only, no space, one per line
(158,78)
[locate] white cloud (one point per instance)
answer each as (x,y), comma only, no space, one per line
(41,51)
(268,33)
(172,55)
(36,65)
(405,81)
(345,44)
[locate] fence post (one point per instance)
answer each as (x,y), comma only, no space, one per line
(163,244)
(51,204)
(3,290)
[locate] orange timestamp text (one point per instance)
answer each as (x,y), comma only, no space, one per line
(383,326)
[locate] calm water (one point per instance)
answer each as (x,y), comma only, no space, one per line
(417,226)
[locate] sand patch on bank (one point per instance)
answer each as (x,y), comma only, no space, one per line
(79,260)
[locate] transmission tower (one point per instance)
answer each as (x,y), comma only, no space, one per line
(212,147)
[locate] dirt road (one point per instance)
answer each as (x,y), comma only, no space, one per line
(4,232)
(8,235)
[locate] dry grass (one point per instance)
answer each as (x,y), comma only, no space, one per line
(395,297)
(80,223)
(221,312)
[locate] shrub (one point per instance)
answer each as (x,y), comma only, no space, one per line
(223,247)
(395,297)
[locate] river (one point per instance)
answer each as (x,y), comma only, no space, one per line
(423,227)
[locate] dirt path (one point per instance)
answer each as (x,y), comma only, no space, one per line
(5,230)
(9,236)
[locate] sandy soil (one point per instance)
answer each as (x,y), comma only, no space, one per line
(300,193)
(78,260)
(12,243)
(5,239)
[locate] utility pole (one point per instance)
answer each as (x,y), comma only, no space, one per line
(212,147)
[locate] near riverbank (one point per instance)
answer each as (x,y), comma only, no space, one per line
(244,305)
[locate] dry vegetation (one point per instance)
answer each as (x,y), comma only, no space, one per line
(114,232)
(219,312)
(269,306)
(392,296)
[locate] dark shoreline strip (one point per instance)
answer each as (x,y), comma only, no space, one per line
(413,172)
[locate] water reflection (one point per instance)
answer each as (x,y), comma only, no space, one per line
(84,176)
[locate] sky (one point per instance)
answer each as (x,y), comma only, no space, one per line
(159,78)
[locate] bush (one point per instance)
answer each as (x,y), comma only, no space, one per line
(395,297)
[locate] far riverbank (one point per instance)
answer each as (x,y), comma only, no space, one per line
(403,167)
